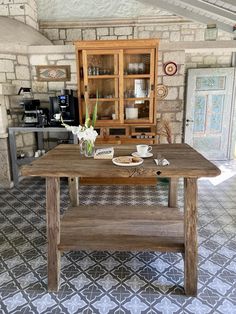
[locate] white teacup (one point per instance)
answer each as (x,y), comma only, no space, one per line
(143,149)
(57,116)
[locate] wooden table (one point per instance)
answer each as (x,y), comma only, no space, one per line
(118,227)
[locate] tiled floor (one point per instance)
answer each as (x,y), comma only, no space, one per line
(113,282)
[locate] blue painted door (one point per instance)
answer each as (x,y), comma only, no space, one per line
(209,111)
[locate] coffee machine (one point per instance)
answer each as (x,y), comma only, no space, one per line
(33,115)
(64,107)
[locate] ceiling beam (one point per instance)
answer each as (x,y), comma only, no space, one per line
(171,6)
(211,9)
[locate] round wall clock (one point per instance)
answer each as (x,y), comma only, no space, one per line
(170,68)
(162,91)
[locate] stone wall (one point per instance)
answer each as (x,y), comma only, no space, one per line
(171,108)
(22,10)
(172,32)
(218,59)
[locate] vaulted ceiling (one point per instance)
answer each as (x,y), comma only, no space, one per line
(221,13)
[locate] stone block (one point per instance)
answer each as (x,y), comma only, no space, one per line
(4,10)
(170,116)
(174,36)
(181,92)
(71,63)
(210,60)
(5,177)
(39,87)
(144,35)
(108,37)
(28,139)
(62,33)
(176,56)
(178,139)
(11,76)
(22,60)
(111,31)
(89,34)
(22,72)
(55,86)
(175,80)
(123,30)
(188,38)
(2,77)
(17,9)
(224,60)
(51,34)
(122,37)
(58,42)
(73,34)
(150,28)
(6,66)
(38,60)
(165,35)
(31,22)
(176,128)
(199,34)
(170,106)
(70,56)
(19,141)
(196,59)
(56,57)
(7,56)
(172,93)
(20,18)
(102,31)
(179,116)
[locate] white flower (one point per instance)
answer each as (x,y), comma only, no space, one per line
(82,132)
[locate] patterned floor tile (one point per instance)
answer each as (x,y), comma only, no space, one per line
(116,282)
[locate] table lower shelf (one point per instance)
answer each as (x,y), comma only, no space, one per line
(122,228)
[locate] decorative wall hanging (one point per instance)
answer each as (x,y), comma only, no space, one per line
(162,91)
(53,72)
(170,68)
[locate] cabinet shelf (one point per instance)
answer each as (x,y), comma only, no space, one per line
(138,98)
(136,76)
(104,99)
(102,76)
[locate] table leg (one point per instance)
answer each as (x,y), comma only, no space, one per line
(172,196)
(53,232)
(190,236)
(74,191)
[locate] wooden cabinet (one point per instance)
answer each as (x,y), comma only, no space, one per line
(123,75)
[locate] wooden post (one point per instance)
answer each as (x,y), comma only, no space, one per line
(74,191)
(190,236)
(53,231)
(173,189)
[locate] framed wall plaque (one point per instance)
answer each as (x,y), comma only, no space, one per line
(51,73)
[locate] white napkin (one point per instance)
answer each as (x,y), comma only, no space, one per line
(163,162)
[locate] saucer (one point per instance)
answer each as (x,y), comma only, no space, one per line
(136,154)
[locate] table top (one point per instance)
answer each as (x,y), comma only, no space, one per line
(65,160)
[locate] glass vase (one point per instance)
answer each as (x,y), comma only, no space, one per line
(89,148)
(82,147)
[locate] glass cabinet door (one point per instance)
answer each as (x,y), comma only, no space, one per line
(101,71)
(138,82)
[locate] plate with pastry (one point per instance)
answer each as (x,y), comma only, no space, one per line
(127,161)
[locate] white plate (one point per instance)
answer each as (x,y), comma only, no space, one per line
(136,154)
(131,164)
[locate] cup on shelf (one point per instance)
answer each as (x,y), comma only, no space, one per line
(57,116)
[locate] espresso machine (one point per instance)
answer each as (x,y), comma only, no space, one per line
(33,115)
(63,107)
